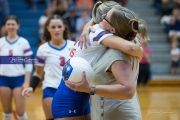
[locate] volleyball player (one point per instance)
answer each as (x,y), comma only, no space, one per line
(77,108)
(13,76)
(51,57)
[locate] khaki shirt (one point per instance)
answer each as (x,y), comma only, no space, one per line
(104,108)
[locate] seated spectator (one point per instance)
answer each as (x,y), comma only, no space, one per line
(168,6)
(174,32)
(82,20)
(60,7)
(178,3)
(85,3)
(165,20)
(158,5)
(32,4)
(71,3)
(175,55)
(71,18)
(42,21)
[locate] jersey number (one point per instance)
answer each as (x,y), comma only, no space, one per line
(73,50)
(10,52)
(62,59)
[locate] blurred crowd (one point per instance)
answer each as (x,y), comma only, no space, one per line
(76,12)
(169,11)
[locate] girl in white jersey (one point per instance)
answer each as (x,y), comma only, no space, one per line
(13,76)
(51,57)
(76,109)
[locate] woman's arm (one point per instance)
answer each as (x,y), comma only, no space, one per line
(123,45)
(111,41)
(124,89)
(126,85)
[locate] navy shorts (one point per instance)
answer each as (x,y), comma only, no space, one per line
(11,82)
(49,92)
(175,64)
(68,103)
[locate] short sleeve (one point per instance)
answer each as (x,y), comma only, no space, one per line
(100,37)
(27,49)
(110,56)
(40,58)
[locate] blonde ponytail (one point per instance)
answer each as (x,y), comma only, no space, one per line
(96,19)
(142,29)
(101,8)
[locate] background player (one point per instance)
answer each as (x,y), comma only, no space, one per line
(14,77)
(51,56)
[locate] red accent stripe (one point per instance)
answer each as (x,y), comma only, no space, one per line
(100,35)
(27,50)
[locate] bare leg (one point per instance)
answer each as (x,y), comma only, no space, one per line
(19,101)
(6,99)
(47,108)
(87,117)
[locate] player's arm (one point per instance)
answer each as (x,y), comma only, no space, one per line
(27,79)
(123,45)
(34,81)
(28,70)
(38,73)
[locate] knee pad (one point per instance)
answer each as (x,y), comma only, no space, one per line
(7,116)
(24,117)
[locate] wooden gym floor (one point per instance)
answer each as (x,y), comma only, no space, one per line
(157,103)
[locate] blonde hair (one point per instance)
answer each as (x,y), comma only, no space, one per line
(129,18)
(101,8)
(142,30)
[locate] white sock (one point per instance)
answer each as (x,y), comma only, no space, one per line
(7,116)
(24,117)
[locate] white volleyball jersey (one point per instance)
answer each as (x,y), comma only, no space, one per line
(53,60)
(96,50)
(19,47)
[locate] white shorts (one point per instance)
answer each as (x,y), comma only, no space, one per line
(171,32)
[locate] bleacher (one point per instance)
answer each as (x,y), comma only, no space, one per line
(159,44)
(28,21)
